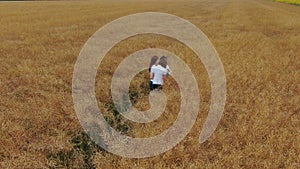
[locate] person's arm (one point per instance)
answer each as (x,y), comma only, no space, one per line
(151,75)
(164,77)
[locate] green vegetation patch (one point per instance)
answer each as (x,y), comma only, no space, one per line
(294,2)
(81,155)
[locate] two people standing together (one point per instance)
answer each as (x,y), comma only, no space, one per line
(159,71)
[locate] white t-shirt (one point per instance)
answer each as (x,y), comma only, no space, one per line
(168,68)
(158,72)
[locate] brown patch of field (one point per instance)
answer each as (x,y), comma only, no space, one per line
(258,43)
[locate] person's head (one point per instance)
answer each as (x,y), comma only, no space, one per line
(163,57)
(163,61)
(153,61)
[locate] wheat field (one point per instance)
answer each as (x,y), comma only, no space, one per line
(257,41)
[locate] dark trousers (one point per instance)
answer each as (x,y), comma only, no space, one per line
(154,86)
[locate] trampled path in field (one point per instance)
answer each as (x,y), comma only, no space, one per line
(257,41)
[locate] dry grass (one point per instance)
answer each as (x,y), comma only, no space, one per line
(258,43)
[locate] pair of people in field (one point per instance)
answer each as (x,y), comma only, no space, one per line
(159,71)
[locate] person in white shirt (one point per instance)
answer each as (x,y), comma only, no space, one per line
(152,62)
(167,67)
(158,74)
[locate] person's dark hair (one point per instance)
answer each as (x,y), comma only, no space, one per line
(163,61)
(163,57)
(153,62)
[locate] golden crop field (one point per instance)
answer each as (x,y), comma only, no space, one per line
(258,42)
